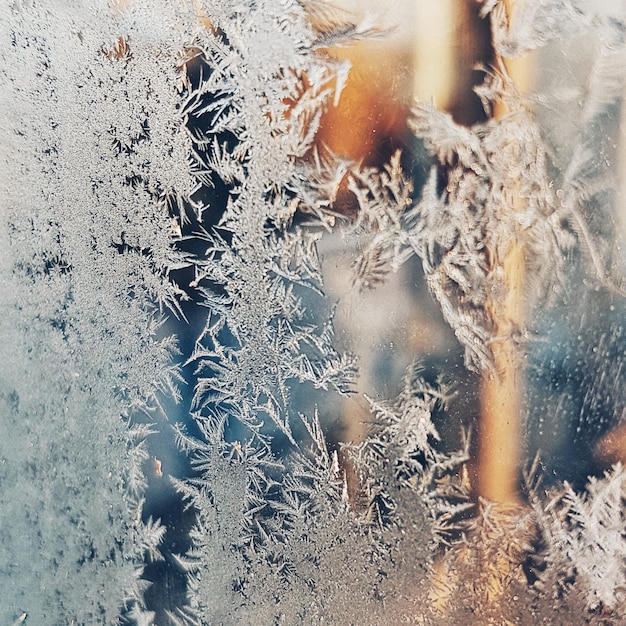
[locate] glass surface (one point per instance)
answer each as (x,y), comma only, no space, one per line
(312,313)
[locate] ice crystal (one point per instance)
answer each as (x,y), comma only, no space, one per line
(496,191)
(585,538)
(257,338)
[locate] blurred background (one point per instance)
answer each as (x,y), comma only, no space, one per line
(571,393)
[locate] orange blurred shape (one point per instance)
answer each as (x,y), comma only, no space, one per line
(369,122)
(612,447)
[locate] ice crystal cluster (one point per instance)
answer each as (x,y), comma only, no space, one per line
(160,179)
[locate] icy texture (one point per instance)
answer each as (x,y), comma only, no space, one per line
(92,151)
(275,539)
(144,142)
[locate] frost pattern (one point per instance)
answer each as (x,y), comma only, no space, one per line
(122,118)
(585,533)
(496,191)
(286,521)
(93,152)
(287,543)
(257,338)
